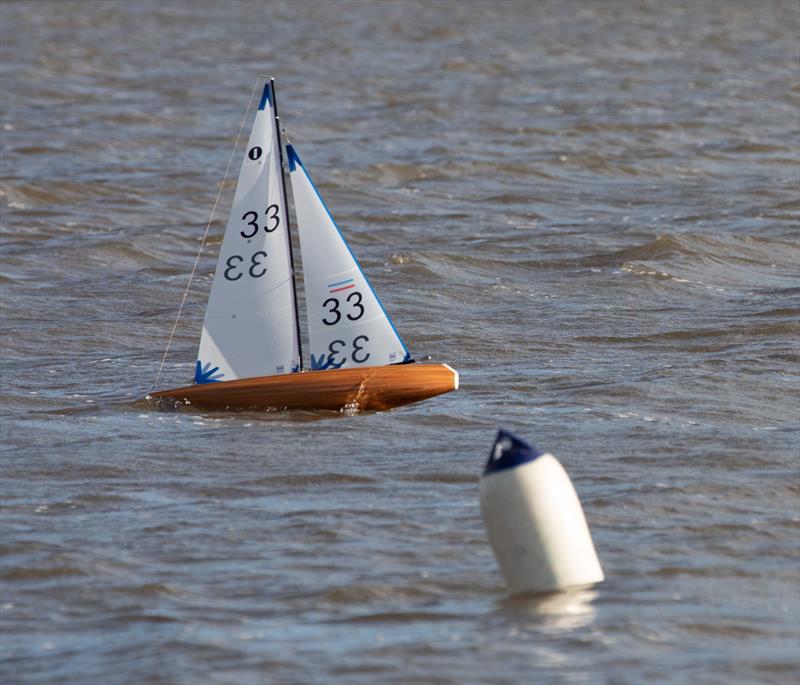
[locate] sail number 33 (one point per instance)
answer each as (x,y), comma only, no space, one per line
(251,219)
(338,354)
(234,268)
(332,304)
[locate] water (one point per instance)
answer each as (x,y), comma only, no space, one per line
(589,209)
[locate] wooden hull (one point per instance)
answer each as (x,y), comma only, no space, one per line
(370,388)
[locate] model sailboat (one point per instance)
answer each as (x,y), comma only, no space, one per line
(250,352)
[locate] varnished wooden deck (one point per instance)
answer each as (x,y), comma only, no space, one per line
(370,388)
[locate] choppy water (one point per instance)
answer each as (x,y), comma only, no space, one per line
(589,209)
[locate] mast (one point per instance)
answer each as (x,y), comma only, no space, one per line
(288,223)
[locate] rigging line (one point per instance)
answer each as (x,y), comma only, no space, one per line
(205,234)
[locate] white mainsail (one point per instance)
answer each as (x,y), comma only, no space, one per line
(250,326)
(347,324)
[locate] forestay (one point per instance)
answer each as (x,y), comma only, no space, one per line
(347,324)
(250,327)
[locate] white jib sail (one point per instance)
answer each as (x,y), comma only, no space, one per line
(347,325)
(250,327)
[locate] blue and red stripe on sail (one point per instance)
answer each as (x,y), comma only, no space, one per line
(341,285)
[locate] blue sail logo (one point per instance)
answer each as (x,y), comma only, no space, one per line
(206,374)
(319,363)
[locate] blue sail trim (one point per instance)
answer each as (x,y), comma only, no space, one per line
(205,373)
(265,97)
(292,157)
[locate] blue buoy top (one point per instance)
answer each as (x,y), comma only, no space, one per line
(508,452)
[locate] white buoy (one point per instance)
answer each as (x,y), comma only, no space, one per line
(534,520)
